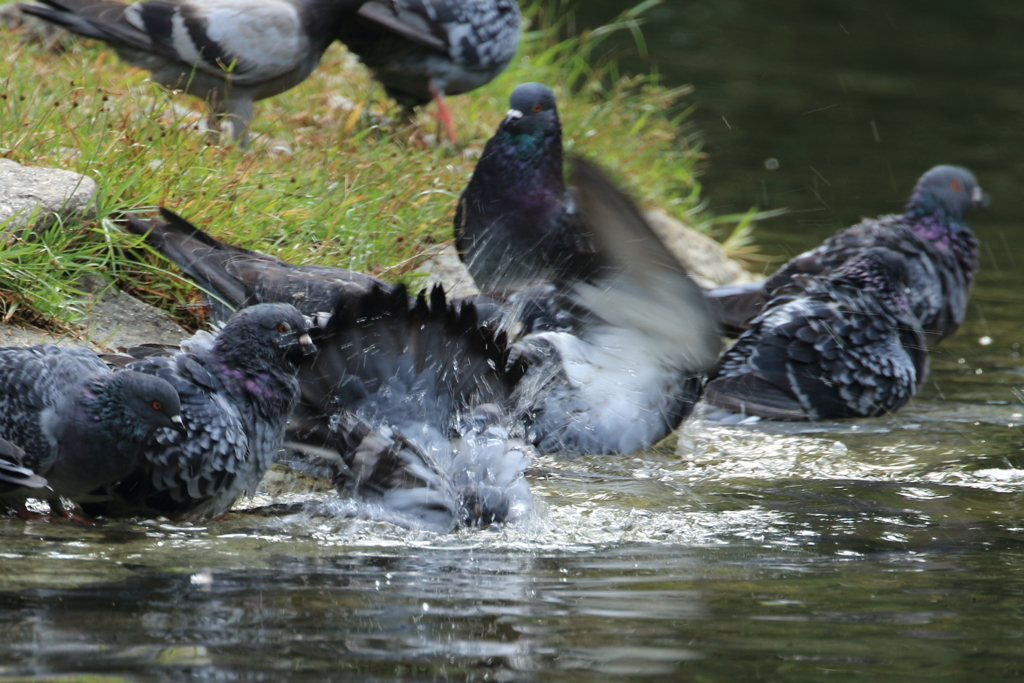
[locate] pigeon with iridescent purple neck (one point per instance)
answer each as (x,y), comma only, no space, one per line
(931,233)
(236,393)
(847,346)
(516,222)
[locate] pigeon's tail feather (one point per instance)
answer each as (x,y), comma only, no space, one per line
(202,257)
(235,277)
(12,475)
(737,305)
(751,395)
(68,14)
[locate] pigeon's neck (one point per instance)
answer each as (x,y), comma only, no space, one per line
(270,390)
(527,167)
(950,234)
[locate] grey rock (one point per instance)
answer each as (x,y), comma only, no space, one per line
(118,320)
(112,320)
(705,259)
(38,193)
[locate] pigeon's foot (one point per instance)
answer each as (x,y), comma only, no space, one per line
(25,514)
(444,116)
(60,512)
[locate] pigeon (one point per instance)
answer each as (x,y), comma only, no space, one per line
(80,424)
(236,395)
(932,234)
(228,52)
(426,49)
(516,222)
(848,345)
(13,474)
(401,400)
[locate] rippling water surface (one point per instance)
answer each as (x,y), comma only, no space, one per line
(888,549)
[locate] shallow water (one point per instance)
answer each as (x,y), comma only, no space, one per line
(888,549)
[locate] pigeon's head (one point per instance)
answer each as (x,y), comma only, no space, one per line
(533,112)
(950,189)
(277,333)
(152,401)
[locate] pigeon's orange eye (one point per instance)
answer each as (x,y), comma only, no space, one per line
(955,184)
(283,328)
(157,405)
(537,107)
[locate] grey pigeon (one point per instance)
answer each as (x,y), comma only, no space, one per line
(931,233)
(426,49)
(13,474)
(235,399)
(80,424)
(847,346)
(390,388)
(516,223)
(228,52)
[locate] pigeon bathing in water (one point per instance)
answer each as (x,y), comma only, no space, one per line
(382,399)
(80,424)
(931,233)
(235,399)
(516,222)
(847,346)
(426,49)
(228,52)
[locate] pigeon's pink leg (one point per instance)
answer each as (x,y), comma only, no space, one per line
(443,115)
(24,514)
(57,508)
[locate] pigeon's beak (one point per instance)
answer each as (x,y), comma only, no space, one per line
(980,199)
(306,344)
(179,425)
(512,115)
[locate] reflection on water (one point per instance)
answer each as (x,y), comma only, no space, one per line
(886,549)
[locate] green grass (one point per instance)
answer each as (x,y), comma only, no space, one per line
(358,189)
